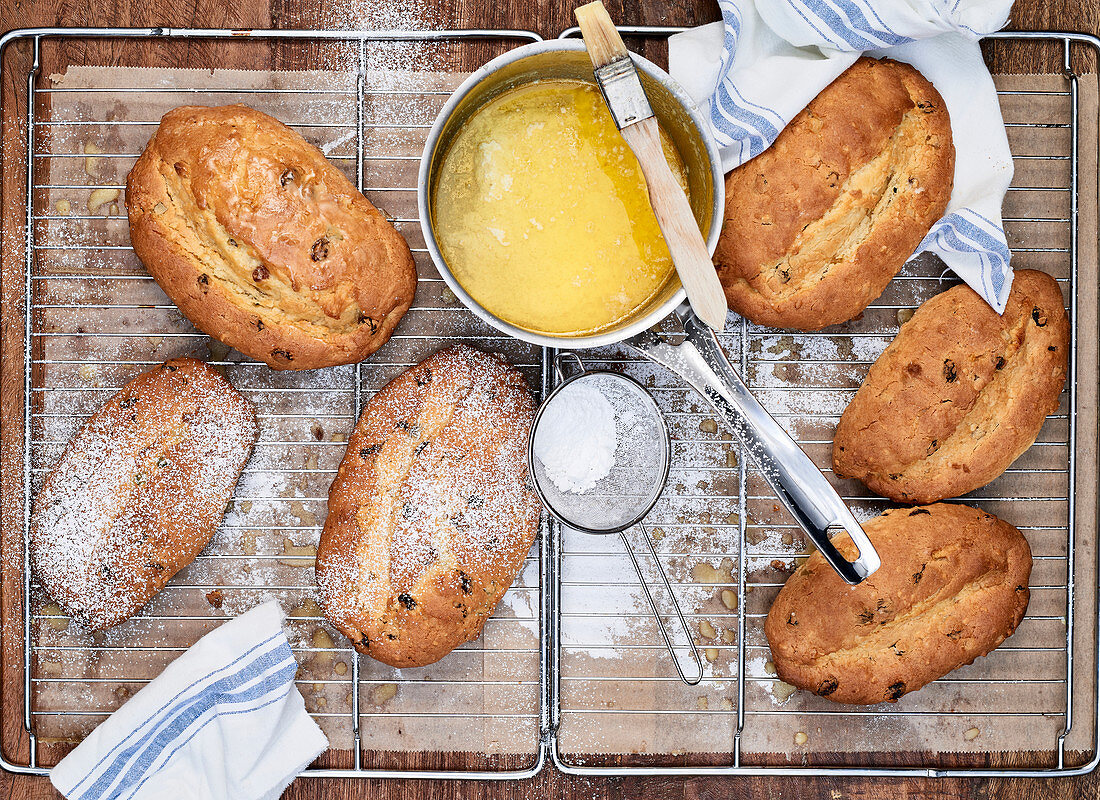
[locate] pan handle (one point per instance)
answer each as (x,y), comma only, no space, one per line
(797,482)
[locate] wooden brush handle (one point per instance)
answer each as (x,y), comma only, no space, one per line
(681,231)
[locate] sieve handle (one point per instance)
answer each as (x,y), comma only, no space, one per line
(698,676)
(796,480)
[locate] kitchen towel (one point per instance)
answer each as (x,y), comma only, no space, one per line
(767,59)
(224,721)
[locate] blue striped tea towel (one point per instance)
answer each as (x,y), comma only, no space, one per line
(767,59)
(223,721)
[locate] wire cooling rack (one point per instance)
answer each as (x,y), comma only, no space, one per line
(569,670)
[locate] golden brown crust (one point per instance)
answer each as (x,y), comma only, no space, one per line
(430,517)
(140,490)
(262,243)
(959,394)
(953,586)
(819,223)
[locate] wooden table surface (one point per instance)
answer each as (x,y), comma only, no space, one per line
(547,17)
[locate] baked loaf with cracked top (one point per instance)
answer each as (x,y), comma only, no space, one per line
(430,516)
(959,394)
(262,243)
(953,586)
(819,223)
(140,490)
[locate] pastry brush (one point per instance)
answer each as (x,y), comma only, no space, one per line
(622,89)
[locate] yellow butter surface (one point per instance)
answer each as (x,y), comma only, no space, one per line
(541,211)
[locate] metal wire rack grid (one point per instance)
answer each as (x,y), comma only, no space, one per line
(550,671)
(731,548)
(95,318)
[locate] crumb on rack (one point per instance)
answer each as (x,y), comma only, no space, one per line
(705,572)
(384,693)
(307,608)
(100,197)
(301,556)
(91,150)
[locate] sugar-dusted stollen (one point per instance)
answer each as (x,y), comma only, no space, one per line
(140,490)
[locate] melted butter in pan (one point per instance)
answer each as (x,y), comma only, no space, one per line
(542,215)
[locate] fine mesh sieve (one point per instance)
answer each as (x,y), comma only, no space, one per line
(614,499)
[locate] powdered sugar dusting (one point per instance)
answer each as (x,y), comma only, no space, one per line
(436,478)
(140,490)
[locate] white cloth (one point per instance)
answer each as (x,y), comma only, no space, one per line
(767,59)
(224,721)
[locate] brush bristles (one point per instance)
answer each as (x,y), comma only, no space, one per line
(600,37)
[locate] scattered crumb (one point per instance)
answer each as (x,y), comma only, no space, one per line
(706,630)
(100,197)
(726,704)
(729,599)
(64,207)
(305,518)
(248,542)
(54,610)
(303,555)
(322,661)
(384,693)
(788,538)
(782,691)
(769,667)
(122,694)
(341,668)
(800,738)
(705,572)
(971,734)
(701,703)
(729,636)
(91,149)
(731,459)
(245,506)
(446,296)
(711,653)
(317,431)
(708,425)
(307,608)
(339,437)
(114,209)
(215,598)
(658,534)
(89,373)
(904,315)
